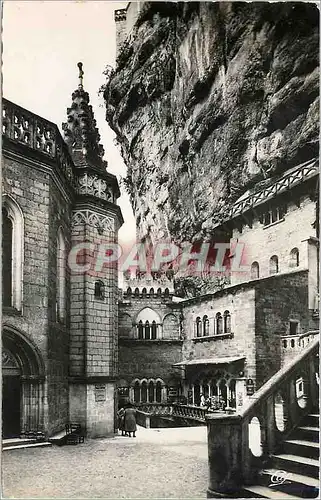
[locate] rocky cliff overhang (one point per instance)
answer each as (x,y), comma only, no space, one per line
(207,100)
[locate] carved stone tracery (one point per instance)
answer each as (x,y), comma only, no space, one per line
(101,222)
(95,186)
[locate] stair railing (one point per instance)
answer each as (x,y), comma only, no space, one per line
(239,445)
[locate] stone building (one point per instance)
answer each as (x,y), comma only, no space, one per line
(233,340)
(150,341)
(219,131)
(59,333)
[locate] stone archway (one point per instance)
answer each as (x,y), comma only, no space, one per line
(22,385)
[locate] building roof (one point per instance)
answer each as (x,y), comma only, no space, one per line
(211,361)
(268,189)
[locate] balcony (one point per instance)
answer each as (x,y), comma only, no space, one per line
(38,135)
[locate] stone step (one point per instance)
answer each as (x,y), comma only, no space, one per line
(301,447)
(17,446)
(290,483)
(258,491)
(311,420)
(297,464)
(306,432)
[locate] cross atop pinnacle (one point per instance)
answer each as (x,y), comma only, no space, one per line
(81,74)
(80,131)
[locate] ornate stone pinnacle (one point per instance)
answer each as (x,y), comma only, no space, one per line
(81,74)
(80,131)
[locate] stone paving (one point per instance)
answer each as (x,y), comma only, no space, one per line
(158,463)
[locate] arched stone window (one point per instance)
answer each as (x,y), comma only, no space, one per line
(274,264)
(137,392)
(255,270)
(144,292)
(144,392)
(227,322)
(166,293)
(136,292)
(198,327)
(125,325)
(148,322)
(158,392)
(99,290)
(206,326)
(154,330)
(219,324)
(232,396)
(61,276)
(151,395)
(12,257)
(147,330)
(140,330)
(294,258)
(223,393)
(159,292)
(7,230)
(129,291)
(151,292)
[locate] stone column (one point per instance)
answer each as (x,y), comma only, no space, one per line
(224,455)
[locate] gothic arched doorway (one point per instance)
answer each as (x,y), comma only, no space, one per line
(22,385)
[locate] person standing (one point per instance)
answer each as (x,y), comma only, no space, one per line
(130,420)
(121,415)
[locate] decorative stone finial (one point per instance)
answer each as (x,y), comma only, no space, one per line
(81,74)
(80,131)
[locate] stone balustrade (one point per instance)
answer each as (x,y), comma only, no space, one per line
(38,134)
(175,410)
(291,345)
(240,444)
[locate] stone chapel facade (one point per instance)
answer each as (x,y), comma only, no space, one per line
(59,363)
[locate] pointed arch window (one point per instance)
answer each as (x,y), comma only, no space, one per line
(12,254)
(7,230)
(61,276)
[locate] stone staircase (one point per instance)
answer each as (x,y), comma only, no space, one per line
(294,471)
(19,443)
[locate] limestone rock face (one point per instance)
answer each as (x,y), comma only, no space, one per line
(209,99)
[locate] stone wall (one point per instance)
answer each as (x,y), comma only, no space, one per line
(240,302)
(262,242)
(58,329)
(43,210)
(278,299)
(148,358)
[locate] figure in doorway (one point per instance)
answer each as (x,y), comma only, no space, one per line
(203,403)
(130,420)
(121,415)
